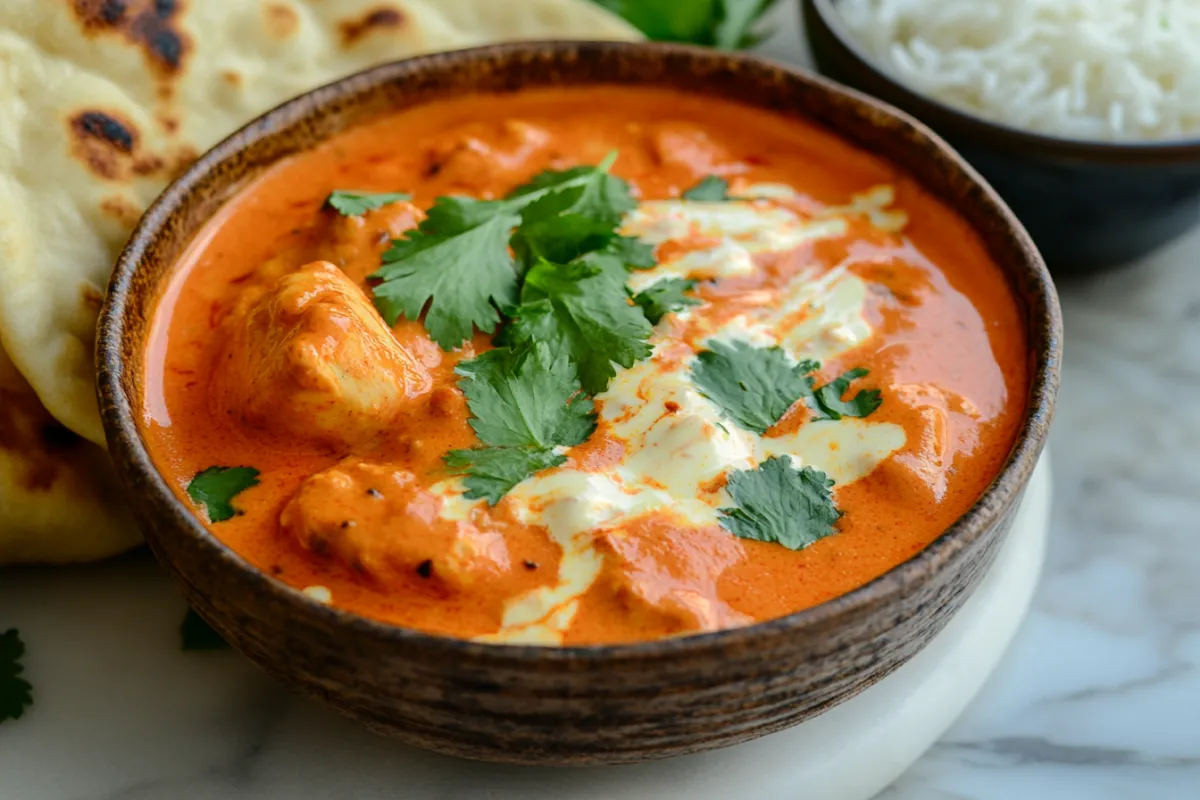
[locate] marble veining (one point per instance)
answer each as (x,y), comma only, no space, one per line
(1098,699)
(1100,695)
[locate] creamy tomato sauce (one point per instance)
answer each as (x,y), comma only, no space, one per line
(823,264)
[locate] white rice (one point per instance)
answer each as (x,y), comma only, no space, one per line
(1084,69)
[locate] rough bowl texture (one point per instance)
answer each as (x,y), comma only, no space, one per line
(573,705)
(1088,205)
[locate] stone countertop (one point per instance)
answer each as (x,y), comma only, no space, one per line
(1099,697)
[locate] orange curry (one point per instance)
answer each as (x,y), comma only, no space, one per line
(268,352)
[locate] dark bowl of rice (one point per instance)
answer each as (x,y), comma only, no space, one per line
(1096,190)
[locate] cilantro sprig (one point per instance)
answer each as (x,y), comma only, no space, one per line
(665,296)
(524,403)
(582,308)
(828,402)
(526,398)
(16,694)
(755,386)
(776,502)
(727,24)
(545,270)
(456,266)
(353,204)
(215,488)
(709,189)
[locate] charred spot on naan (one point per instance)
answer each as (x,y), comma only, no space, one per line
(40,444)
(109,145)
(281,21)
(148,24)
(382,18)
(104,142)
(124,211)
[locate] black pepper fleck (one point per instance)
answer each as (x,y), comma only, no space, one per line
(375,493)
(530,565)
(425,568)
(347,523)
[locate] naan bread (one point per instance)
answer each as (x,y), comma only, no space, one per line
(102,102)
(58,499)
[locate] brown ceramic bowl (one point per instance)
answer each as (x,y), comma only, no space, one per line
(577,705)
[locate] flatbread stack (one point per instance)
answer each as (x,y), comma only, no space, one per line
(102,103)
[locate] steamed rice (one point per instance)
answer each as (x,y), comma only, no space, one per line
(1086,69)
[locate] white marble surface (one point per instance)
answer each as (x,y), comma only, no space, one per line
(1098,699)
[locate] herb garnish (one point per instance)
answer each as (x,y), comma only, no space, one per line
(215,488)
(492,472)
(456,263)
(778,503)
(828,403)
(526,398)
(196,634)
(352,204)
(727,24)
(665,296)
(456,266)
(569,319)
(16,694)
(755,386)
(709,189)
(524,403)
(582,308)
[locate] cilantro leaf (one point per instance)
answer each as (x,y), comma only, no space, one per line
(352,204)
(456,267)
(665,296)
(16,694)
(456,262)
(828,402)
(727,24)
(632,252)
(582,308)
(579,212)
(754,386)
(196,634)
(778,503)
(491,472)
(735,29)
(215,488)
(709,189)
(553,179)
(560,238)
(526,398)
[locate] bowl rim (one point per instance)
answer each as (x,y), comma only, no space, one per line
(127,448)
(954,120)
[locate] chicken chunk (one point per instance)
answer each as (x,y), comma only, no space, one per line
(499,152)
(665,572)
(311,359)
(376,519)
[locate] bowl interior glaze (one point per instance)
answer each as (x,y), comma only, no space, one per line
(579,705)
